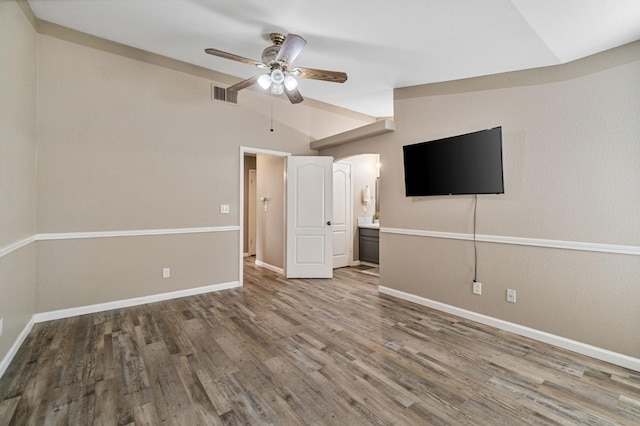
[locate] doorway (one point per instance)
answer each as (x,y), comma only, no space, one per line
(295,201)
(365,172)
(267,207)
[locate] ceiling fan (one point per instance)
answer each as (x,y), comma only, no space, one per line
(278,59)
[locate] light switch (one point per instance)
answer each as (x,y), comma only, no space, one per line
(224,208)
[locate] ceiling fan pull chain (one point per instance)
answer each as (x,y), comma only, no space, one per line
(271,96)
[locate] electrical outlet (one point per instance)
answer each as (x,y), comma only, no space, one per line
(224,208)
(477,288)
(511,295)
(166,272)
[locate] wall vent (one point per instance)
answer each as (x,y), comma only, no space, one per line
(224,95)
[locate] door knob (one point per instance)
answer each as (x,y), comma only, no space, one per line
(329,223)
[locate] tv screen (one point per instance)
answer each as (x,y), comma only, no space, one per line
(465,164)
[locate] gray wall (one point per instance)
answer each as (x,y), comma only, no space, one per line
(571,155)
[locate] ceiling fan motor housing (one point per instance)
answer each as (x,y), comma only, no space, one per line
(277,38)
(269,54)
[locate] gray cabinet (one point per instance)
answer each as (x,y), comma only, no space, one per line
(369,242)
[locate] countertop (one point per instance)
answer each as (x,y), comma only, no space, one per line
(370,226)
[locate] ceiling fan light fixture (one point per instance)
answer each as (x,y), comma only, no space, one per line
(277,89)
(264,81)
(277,76)
(290,83)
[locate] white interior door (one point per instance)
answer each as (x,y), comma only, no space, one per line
(309,249)
(342,238)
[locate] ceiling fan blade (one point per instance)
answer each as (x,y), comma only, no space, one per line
(220,53)
(333,76)
(244,84)
(291,48)
(294,95)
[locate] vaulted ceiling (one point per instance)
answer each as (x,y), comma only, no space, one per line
(380,44)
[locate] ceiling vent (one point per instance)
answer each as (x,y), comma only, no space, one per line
(224,95)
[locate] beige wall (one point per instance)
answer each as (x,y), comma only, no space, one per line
(270,223)
(79,272)
(18,56)
(571,151)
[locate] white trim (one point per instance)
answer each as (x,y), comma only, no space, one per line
(270,267)
(534,242)
(260,151)
(13,350)
(133,233)
(542,336)
(10,248)
(117,304)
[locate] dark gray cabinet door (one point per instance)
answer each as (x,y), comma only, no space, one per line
(369,240)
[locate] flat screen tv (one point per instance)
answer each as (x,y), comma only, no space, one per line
(464,164)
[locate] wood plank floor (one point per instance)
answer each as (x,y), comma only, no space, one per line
(309,352)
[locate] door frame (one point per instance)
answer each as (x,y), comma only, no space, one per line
(258,151)
(251,216)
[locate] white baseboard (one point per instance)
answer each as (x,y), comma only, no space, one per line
(270,267)
(542,336)
(90,309)
(16,345)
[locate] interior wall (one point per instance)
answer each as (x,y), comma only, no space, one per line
(18,91)
(270,221)
(129,141)
(570,150)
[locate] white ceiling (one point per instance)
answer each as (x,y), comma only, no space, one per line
(380,44)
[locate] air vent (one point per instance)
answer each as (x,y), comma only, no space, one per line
(224,95)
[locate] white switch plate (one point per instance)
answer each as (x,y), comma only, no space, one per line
(166,272)
(224,208)
(1,321)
